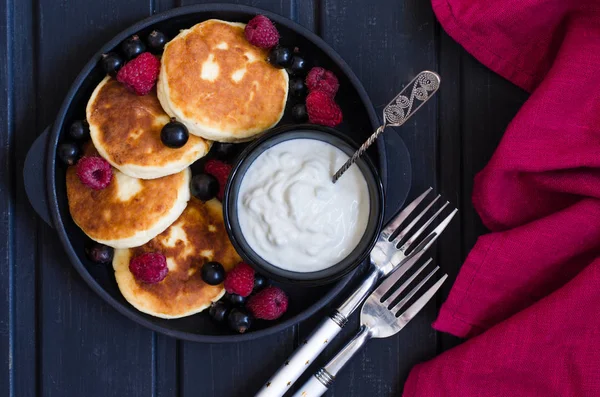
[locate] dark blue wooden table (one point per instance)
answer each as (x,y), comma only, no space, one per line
(57,338)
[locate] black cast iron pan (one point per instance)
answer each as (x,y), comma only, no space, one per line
(45,176)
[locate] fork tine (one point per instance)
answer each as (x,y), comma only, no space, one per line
(416,235)
(435,233)
(401,217)
(399,257)
(408,228)
(398,291)
(396,260)
(412,293)
(416,307)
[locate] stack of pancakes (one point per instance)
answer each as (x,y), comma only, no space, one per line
(222,89)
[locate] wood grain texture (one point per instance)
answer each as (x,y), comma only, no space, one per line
(19,223)
(234,369)
(84,345)
(6,202)
(387,47)
(450,154)
(57,338)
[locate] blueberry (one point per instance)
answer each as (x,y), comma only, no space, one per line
(174,134)
(156,41)
(69,152)
(297,87)
(235,299)
(213,273)
(219,310)
(224,151)
(299,113)
(79,130)
(99,253)
(133,46)
(204,187)
(260,282)
(298,66)
(239,320)
(111,63)
(280,57)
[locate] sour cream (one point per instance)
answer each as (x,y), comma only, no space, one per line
(290,212)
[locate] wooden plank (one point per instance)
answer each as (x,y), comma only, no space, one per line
(165,349)
(235,369)
(489,103)
(19,231)
(164,5)
(85,346)
(6,200)
(449,160)
(387,46)
(476,107)
(306,14)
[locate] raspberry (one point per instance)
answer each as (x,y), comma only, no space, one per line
(268,304)
(219,170)
(94,172)
(240,280)
(140,74)
(261,32)
(319,79)
(322,109)
(149,268)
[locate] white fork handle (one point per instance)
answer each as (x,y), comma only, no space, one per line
(318,384)
(328,329)
(280,383)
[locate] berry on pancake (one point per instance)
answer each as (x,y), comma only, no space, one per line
(94,172)
(212,273)
(149,268)
(261,32)
(140,74)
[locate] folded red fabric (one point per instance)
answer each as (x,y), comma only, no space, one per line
(528,295)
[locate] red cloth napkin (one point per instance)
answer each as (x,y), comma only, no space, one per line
(528,295)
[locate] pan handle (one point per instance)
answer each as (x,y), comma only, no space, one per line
(34,174)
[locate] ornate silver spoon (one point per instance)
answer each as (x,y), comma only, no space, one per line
(421,88)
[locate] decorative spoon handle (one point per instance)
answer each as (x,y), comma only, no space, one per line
(400,109)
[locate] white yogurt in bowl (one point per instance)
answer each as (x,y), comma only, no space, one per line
(292,215)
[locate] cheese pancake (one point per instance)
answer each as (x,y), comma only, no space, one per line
(197,237)
(219,85)
(125,129)
(129,212)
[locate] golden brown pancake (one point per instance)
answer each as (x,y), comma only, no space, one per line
(125,129)
(197,237)
(219,85)
(129,212)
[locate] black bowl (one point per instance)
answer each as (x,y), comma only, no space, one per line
(376,205)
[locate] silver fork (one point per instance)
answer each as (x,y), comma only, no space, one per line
(385,258)
(379,318)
